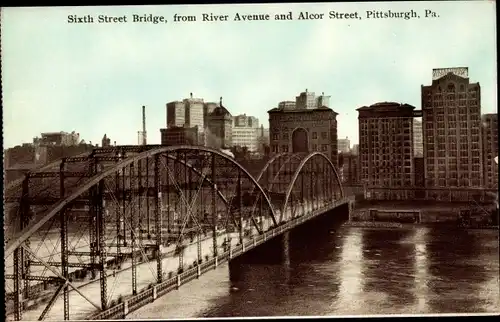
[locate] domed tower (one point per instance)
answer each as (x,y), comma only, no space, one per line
(220,124)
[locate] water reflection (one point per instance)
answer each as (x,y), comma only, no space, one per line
(349,273)
(420,237)
(388,269)
(459,265)
(356,271)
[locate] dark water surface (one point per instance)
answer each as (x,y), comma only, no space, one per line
(351,271)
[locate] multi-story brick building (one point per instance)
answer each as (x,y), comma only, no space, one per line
(386,147)
(304,130)
(451,123)
(490,150)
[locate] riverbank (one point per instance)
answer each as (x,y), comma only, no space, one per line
(381,224)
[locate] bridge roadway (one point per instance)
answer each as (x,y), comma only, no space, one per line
(119,283)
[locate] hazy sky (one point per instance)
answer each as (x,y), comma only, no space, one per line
(94,78)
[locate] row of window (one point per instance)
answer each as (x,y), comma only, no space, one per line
(285,148)
(454,183)
(463,160)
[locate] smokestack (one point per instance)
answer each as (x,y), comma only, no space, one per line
(144,136)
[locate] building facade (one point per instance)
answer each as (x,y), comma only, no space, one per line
(490,150)
(304,130)
(246,132)
(386,147)
(180,136)
(451,123)
(344,145)
(418,143)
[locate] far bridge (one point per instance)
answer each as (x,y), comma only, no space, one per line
(100,235)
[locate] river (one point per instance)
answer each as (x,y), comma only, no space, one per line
(351,271)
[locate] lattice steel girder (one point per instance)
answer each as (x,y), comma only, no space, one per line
(96,158)
(42,201)
(58,274)
(127,148)
(52,301)
(66,174)
(36,278)
(75,253)
(59,264)
(35,225)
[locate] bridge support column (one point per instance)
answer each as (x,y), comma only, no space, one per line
(158,219)
(178,281)
(155,293)
(125,308)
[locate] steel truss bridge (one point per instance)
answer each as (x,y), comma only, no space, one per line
(91,233)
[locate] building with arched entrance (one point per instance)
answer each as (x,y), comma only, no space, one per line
(293,129)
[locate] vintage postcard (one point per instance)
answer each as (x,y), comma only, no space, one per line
(250,160)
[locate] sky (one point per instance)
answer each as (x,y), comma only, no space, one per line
(94,78)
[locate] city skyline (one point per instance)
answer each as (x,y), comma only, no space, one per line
(79,78)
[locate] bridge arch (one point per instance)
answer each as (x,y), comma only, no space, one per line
(325,176)
(286,156)
(19,239)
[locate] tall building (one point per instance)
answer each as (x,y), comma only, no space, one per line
(451,122)
(176,114)
(189,112)
(418,144)
(386,146)
(246,132)
(304,130)
(308,100)
(490,150)
(194,112)
(344,145)
(180,136)
(220,127)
